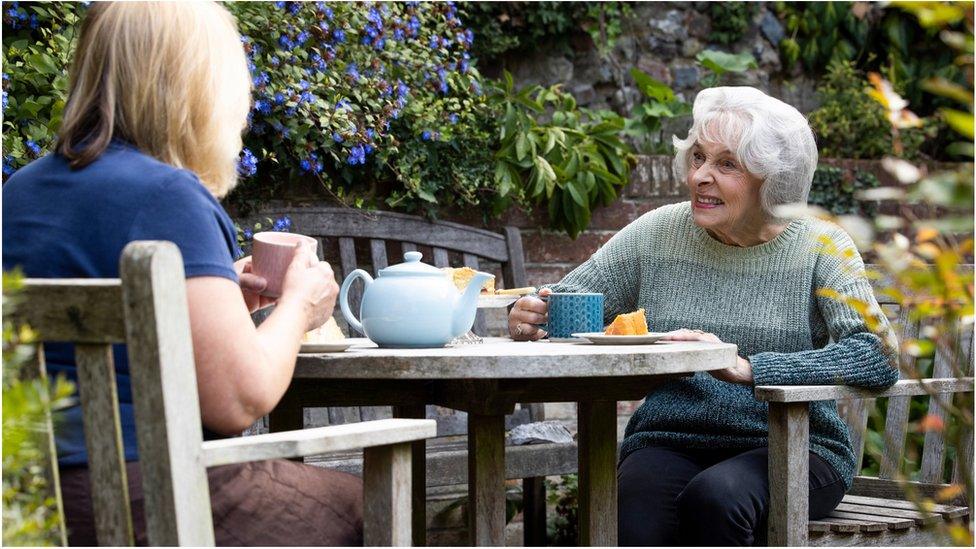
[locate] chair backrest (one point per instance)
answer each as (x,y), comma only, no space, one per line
(353,239)
(856,412)
(146,310)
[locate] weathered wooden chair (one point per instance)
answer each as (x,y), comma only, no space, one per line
(875,511)
(351,239)
(147,311)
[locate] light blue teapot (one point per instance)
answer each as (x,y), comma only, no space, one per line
(412,305)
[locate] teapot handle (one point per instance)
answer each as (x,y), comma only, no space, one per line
(344,297)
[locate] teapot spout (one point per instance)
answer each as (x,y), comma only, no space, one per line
(466,305)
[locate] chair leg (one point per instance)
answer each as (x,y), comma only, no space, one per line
(789,473)
(387,495)
(534,511)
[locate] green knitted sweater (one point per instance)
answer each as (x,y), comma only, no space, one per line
(762,298)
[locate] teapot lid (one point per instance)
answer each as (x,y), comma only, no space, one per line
(411,267)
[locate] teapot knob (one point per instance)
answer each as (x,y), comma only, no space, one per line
(412,257)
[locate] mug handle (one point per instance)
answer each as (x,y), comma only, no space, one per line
(344,297)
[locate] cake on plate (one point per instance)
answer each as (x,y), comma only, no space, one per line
(634,323)
(326,333)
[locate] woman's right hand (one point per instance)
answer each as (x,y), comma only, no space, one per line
(527,312)
(312,283)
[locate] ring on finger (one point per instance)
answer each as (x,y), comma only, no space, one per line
(518,329)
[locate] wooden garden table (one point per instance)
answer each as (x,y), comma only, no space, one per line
(486,380)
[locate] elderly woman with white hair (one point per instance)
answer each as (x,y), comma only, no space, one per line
(729,266)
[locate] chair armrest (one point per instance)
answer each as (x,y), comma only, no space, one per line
(307,442)
(905,387)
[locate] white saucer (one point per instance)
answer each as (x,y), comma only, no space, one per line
(599,338)
(330,347)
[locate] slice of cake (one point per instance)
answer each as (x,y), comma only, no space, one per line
(634,323)
(463,275)
(326,333)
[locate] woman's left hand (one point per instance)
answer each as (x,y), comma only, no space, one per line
(251,286)
(740,373)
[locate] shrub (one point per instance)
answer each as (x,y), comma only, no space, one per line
(730,20)
(38,41)
(836,190)
(849,124)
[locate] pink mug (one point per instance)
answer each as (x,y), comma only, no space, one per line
(271,254)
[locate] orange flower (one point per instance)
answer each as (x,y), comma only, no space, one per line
(931,422)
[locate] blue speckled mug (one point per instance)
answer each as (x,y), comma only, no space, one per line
(574,313)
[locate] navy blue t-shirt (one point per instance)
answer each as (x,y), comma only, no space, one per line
(64,223)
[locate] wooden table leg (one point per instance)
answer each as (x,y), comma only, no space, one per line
(598,473)
(486,479)
(418,486)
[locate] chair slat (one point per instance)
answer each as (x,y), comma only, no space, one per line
(82,310)
(408,247)
(863,522)
(103,439)
(164,378)
(896,422)
(854,412)
(35,368)
(514,269)
(964,452)
(885,523)
(347,257)
(934,446)
(441,258)
(377,249)
(919,517)
(947,511)
(340,415)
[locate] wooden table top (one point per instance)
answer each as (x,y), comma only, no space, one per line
(502,358)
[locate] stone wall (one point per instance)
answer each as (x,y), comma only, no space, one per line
(661,39)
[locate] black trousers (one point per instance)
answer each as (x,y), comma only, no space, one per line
(671,496)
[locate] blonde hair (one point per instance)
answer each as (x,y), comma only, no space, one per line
(171,78)
(771,139)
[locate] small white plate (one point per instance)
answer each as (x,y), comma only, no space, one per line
(493,301)
(330,347)
(599,338)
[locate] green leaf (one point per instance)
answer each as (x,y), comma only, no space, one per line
(721,62)
(652,88)
(545,169)
(577,192)
(960,121)
(521,146)
(550,142)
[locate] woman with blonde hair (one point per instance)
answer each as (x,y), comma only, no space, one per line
(151,134)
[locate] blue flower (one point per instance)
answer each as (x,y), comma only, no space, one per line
(306,166)
(307,97)
(353,71)
(453,118)
(434,42)
(4,99)
(248,234)
(368,148)
(303,84)
(398,34)
(357,155)
(275,61)
(339,36)
(33,21)
(370,134)
(286,42)
(247,164)
(282,224)
(374,17)
(413,26)
(279,98)
(324,26)
(6,77)
(380,44)
(302,37)
(336,137)
(426,135)
(402,89)
(444,87)
(8,167)
(290,111)
(328,13)
(33,147)
(262,106)
(280,5)
(293,7)
(262,79)
(343,104)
